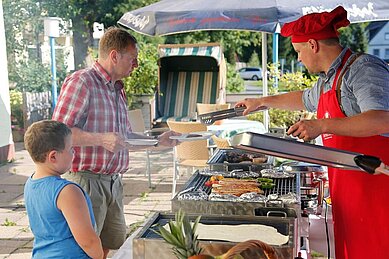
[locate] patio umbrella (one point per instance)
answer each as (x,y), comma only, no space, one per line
(177,16)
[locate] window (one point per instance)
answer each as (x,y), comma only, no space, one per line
(376,52)
(386,35)
(386,54)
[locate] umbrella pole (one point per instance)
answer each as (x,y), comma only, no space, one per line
(264,79)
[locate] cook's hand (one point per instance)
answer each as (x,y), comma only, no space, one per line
(113,142)
(305,129)
(251,104)
(164,139)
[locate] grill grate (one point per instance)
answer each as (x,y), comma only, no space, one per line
(282,185)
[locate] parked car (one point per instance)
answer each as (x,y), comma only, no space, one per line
(250,73)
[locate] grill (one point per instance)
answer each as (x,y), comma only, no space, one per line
(282,186)
(210,207)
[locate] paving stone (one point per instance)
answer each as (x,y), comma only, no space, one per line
(15,179)
(23,221)
(130,219)
(11,216)
(30,244)
(9,246)
(10,198)
(25,233)
(8,232)
(21,253)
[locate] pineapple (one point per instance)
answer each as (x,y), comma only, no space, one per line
(182,236)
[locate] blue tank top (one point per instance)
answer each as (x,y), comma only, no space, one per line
(53,238)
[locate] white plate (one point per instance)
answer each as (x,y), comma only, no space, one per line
(142,142)
(193,136)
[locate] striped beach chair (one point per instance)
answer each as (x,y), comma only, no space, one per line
(188,74)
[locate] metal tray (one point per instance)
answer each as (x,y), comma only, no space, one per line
(207,207)
(292,149)
(147,244)
(218,161)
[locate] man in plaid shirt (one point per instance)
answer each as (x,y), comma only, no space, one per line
(93,104)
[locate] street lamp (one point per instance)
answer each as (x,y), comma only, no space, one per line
(51,27)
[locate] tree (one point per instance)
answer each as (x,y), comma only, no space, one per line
(23,25)
(21,18)
(354,37)
(144,78)
(254,60)
(233,42)
(82,13)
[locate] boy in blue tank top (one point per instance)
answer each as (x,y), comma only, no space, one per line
(59,211)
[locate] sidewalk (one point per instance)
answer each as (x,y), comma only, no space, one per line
(16,238)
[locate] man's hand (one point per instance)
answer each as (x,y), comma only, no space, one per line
(306,129)
(164,139)
(113,142)
(251,104)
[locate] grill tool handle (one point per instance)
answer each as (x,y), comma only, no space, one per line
(261,108)
(371,164)
(276,213)
(211,117)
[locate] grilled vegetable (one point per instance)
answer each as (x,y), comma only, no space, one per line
(264,180)
(265,185)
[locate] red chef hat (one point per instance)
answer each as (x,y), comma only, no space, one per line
(318,26)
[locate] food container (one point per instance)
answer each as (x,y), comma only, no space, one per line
(149,245)
(235,159)
(283,187)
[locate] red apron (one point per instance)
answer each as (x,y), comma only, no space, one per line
(360,205)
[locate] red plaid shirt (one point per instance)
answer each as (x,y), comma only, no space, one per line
(88,101)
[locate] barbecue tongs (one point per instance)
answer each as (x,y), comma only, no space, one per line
(211,117)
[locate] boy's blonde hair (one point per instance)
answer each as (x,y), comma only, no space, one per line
(45,136)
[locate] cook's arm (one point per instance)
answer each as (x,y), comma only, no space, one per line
(290,101)
(366,124)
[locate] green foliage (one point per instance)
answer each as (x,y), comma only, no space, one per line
(235,83)
(83,13)
(27,72)
(31,76)
(20,17)
(8,223)
(233,42)
(292,82)
(254,60)
(298,81)
(273,70)
(144,78)
(16,100)
(354,37)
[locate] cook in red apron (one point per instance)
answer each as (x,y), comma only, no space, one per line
(360,201)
